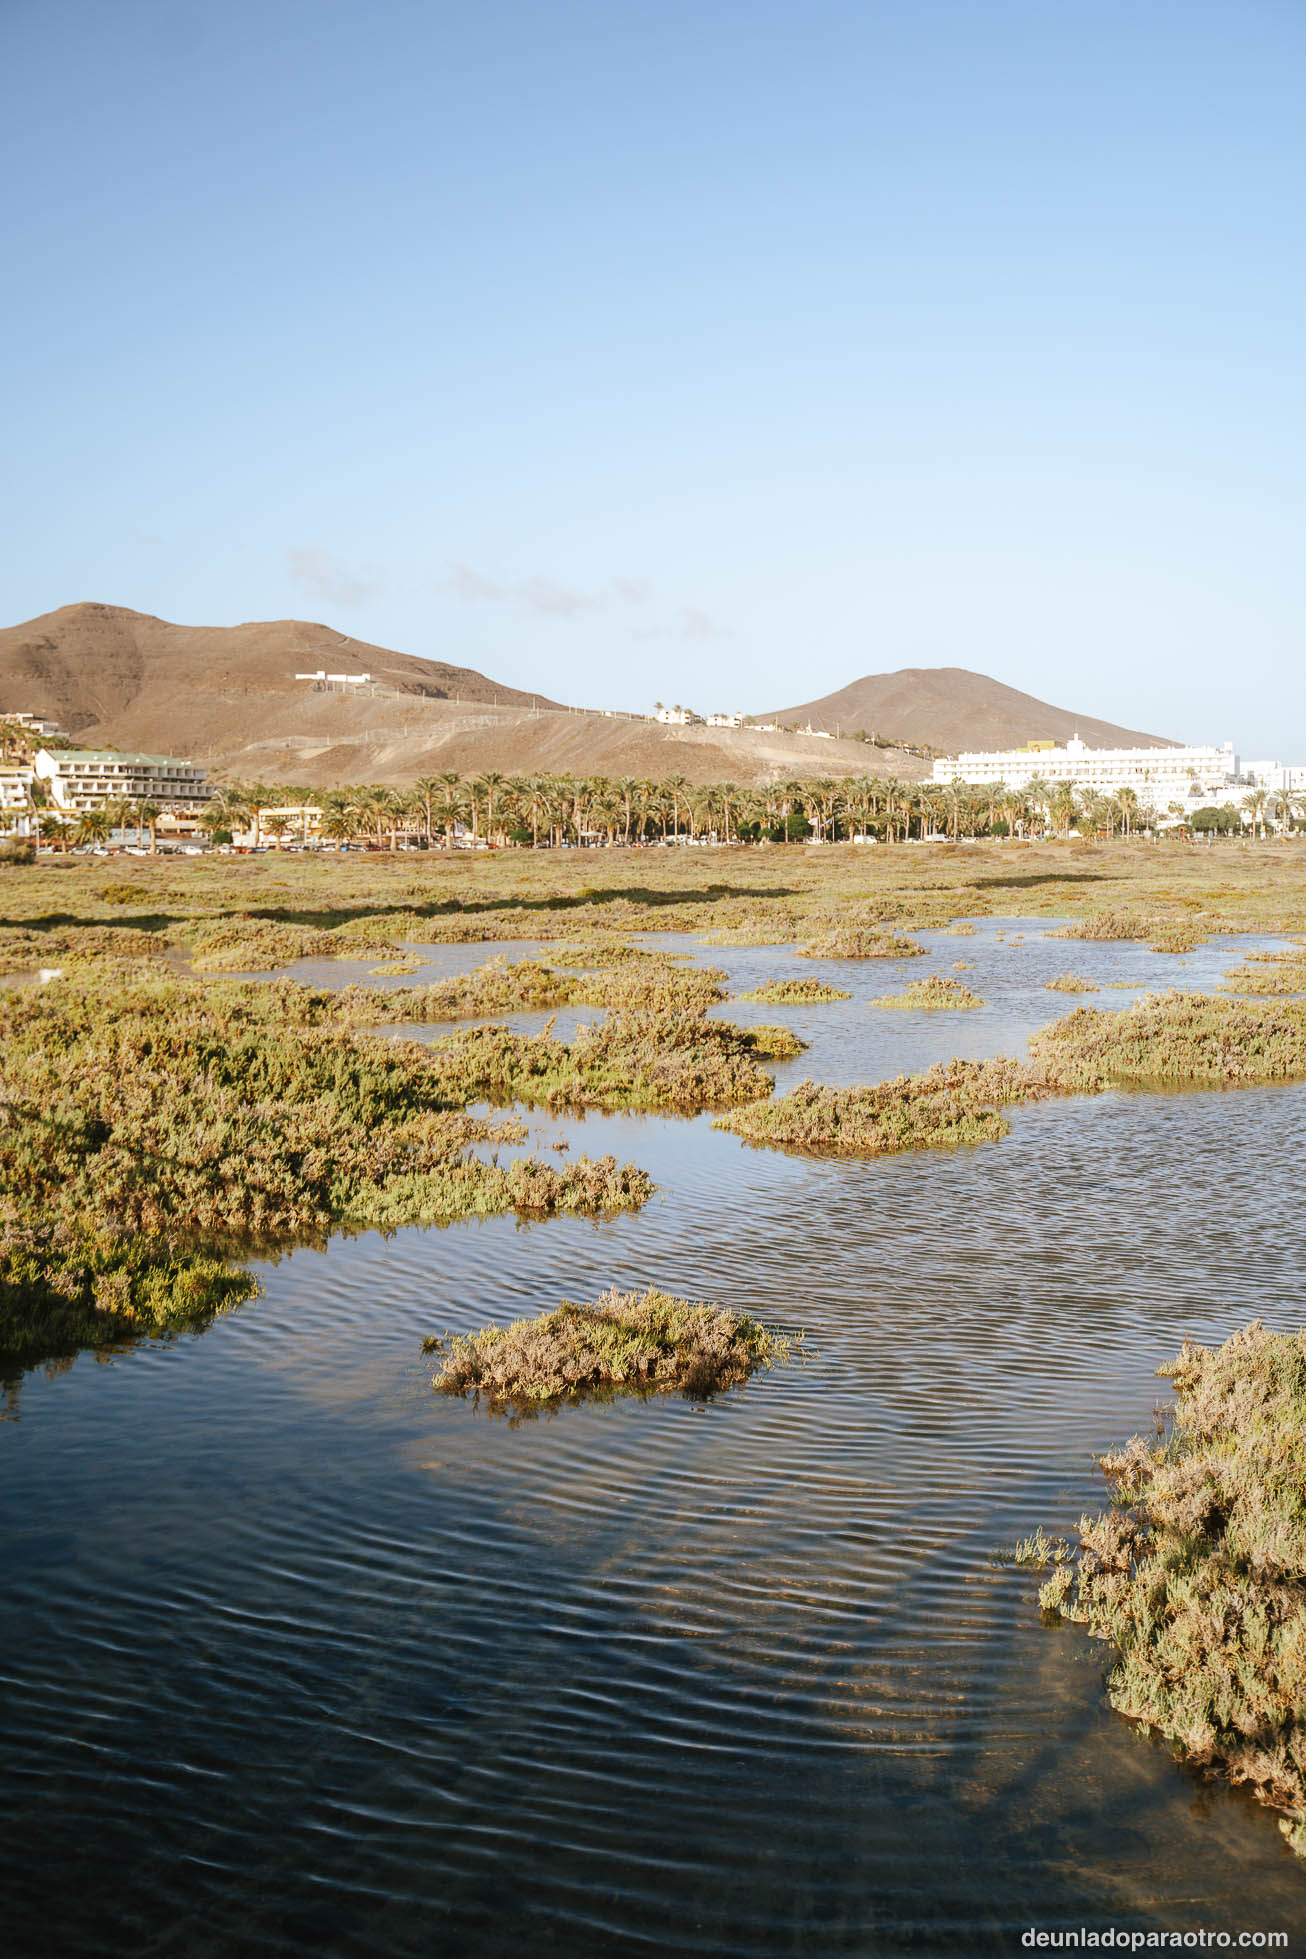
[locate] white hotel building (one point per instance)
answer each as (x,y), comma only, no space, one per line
(1158,776)
(91,778)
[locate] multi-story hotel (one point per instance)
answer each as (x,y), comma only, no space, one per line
(1158,776)
(15,798)
(91,778)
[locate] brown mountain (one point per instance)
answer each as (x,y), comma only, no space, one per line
(107,673)
(951,709)
(227,697)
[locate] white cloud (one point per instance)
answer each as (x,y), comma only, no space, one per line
(697,624)
(547,597)
(324,575)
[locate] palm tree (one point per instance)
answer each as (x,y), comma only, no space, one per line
(337,824)
(729,793)
(646,804)
(93,826)
(672,788)
(379,807)
(261,796)
(213,818)
(277,824)
(119,812)
(492,782)
(1038,793)
(1063,807)
(1254,806)
(426,789)
(536,804)
(1286,805)
(452,798)
(1127,800)
(147,815)
(52,825)
(626,787)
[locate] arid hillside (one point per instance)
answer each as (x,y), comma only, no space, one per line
(228,697)
(93,667)
(951,709)
(324,740)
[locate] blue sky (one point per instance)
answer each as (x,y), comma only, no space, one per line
(715,352)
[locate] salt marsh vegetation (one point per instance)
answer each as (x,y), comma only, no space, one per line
(794,993)
(937,994)
(632,1343)
(1196,1575)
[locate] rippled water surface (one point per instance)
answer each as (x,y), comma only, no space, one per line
(300,1657)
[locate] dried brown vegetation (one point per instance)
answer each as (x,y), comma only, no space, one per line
(861,942)
(1166,1038)
(954,1102)
(933,995)
(794,993)
(1197,1574)
(632,1343)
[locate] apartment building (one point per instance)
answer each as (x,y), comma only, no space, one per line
(80,779)
(1159,776)
(16,799)
(35,724)
(1273,775)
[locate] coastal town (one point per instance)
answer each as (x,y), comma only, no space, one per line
(57,796)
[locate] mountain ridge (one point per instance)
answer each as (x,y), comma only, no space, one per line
(227,697)
(86,665)
(954,709)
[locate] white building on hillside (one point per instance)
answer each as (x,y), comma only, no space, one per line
(35,724)
(1158,776)
(324,682)
(16,808)
(92,778)
(676,717)
(726,720)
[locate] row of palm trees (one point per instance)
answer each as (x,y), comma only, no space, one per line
(62,830)
(494,808)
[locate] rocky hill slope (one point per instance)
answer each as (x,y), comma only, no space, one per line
(228,697)
(100,668)
(951,709)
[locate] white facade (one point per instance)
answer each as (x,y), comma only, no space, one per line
(676,717)
(1159,776)
(323,679)
(1273,775)
(92,778)
(35,724)
(16,810)
(725,720)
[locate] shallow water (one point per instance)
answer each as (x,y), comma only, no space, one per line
(299,1657)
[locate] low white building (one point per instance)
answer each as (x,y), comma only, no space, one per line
(324,681)
(80,779)
(1159,776)
(283,822)
(726,720)
(676,717)
(35,724)
(16,807)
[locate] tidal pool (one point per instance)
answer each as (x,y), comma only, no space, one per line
(299,1656)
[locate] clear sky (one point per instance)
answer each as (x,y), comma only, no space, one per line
(717,352)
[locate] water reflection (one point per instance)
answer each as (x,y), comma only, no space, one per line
(301,1657)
